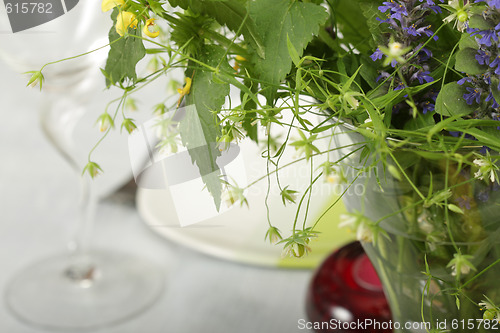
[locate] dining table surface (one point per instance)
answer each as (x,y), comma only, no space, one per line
(38,203)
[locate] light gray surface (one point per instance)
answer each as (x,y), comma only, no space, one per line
(37,202)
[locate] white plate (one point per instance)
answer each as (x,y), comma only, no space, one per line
(238,233)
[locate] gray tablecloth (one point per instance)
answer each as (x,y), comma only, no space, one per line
(38,195)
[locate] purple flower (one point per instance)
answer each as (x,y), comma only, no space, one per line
(383,75)
(494,3)
(464,202)
(483,195)
(422,76)
(400,86)
(494,105)
(424,54)
(456,134)
(435,9)
(427,107)
(486,36)
(386,6)
(471,30)
(465,79)
(483,57)
(473,95)
(484,150)
(487,78)
(377,55)
(496,63)
(394,8)
(414,31)
(384,21)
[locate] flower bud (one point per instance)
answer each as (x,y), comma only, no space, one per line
(105,122)
(129,125)
(151,29)
(274,235)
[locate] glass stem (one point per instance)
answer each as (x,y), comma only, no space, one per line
(81,268)
(58,118)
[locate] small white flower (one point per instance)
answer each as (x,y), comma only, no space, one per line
(360,224)
(487,305)
(480,163)
(460,264)
(491,311)
(232,194)
(365,233)
(368,123)
(459,14)
(395,48)
(487,168)
(424,224)
(395,51)
(333,179)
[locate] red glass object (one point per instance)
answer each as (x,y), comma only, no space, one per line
(346,295)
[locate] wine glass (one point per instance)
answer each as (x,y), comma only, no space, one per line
(83,288)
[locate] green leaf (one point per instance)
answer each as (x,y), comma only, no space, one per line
(395,96)
(232,14)
(292,52)
(466,62)
(199,128)
(369,71)
(124,54)
(421,121)
(466,41)
(450,101)
(371,13)
(248,103)
(275,20)
(483,137)
(478,22)
(441,125)
(354,27)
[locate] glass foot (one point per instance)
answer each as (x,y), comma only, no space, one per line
(116,288)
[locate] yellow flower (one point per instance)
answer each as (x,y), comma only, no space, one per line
(184,91)
(237,62)
(124,20)
(151,23)
(110,4)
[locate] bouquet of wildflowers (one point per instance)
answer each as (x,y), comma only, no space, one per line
(416,80)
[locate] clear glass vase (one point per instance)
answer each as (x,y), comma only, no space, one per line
(436,255)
